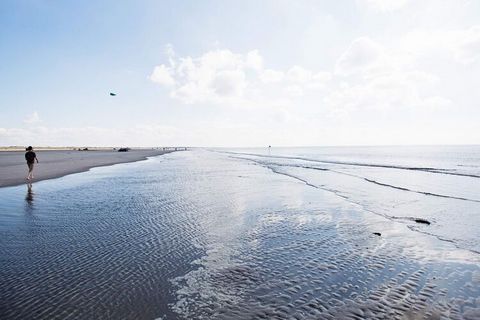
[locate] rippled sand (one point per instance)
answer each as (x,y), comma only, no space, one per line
(199,235)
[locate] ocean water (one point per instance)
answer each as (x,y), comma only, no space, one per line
(440,184)
(211,234)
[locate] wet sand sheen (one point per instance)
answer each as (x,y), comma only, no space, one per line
(195,235)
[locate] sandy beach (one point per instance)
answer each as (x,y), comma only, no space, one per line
(58,163)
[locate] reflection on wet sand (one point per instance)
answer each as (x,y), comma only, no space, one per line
(29,196)
(200,235)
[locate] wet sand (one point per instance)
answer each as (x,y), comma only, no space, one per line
(55,164)
(200,235)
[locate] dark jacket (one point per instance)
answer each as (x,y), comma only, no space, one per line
(30,156)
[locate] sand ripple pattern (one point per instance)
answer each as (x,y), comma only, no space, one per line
(101,249)
(299,253)
(290,270)
(198,235)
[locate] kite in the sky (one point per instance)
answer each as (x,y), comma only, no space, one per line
(113,94)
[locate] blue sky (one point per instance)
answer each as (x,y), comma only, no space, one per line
(239,73)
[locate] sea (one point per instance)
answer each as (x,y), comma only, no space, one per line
(258,233)
(439,184)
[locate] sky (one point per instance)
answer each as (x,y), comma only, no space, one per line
(239,73)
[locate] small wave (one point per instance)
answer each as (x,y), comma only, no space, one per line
(417,191)
(338,193)
(361,164)
(359,177)
(294,177)
(398,187)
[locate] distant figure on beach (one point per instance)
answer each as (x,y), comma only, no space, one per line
(31,157)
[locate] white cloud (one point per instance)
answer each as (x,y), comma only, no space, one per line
(282,115)
(295,90)
(375,78)
(363,55)
(383,5)
(435,103)
(221,60)
(213,77)
(299,74)
(469,48)
(229,83)
(460,45)
(270,75)
(361,96)
(224,77)
(395,92)
(191,93)
(161,75)
(254,60)
(32,118)
(322,76)
(368,76)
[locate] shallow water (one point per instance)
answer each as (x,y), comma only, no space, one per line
(440,184)
(201,234)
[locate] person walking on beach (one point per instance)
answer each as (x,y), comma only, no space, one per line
(30,156)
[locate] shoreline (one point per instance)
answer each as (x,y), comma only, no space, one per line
(158,230)
(59,163)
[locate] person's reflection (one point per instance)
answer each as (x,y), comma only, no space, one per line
(29,196)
